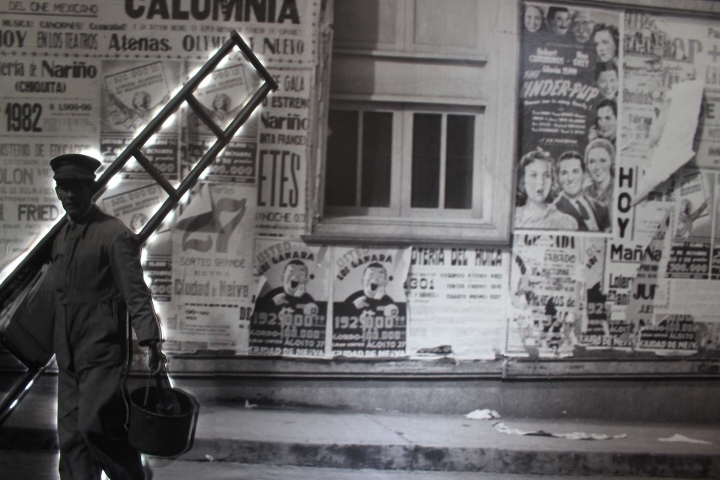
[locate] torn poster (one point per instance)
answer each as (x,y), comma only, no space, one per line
(672,133)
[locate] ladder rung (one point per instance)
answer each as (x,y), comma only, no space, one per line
(202,113)
(155,173)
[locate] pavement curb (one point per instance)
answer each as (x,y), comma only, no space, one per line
(416,457)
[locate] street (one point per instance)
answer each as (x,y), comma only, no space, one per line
(19,465)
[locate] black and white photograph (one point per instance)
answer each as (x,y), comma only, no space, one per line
(359,239)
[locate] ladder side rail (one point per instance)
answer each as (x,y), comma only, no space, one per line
(18,392)
(204,162)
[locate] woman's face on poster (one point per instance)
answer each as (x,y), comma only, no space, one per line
(604,45)
(538,180)
(533,18)
(606,122)
(561,22)
(608,83)
(599,164)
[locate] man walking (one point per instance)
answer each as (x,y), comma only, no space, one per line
(97,278)
(590,215)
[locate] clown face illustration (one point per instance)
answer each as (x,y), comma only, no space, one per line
(374,282)
(295,279)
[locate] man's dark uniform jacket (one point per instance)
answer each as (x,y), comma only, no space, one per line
(97,277)
(602,217)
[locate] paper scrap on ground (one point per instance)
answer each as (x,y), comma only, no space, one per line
(484,414)
(678,123)
(682,438)
(502,428)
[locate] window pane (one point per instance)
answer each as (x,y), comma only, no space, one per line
(459,161)
(425,189)
(376,159)
(341,174)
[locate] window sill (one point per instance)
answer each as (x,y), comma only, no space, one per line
(404,232)
(418,57)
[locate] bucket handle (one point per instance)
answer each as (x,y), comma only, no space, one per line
(160,379)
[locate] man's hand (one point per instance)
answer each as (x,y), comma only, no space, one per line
(156,359)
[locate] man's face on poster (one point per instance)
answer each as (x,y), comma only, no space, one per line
(295,278)
(582,27)
(608,83)
(606,122)
(570,177)
(561,22)
(374,282)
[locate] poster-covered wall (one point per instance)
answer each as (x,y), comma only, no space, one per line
(87,76)
(598,259)
(643,283)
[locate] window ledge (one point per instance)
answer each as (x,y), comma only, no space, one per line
(401,232)
(479,103)
(413,57)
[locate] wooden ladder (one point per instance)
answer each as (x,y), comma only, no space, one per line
(40,253)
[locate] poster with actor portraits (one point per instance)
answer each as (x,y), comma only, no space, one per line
(569,71)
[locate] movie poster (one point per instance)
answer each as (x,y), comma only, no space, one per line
(370,316)
(569,83)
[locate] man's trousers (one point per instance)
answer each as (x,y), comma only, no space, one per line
(91,426)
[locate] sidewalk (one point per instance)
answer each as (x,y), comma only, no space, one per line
(386,440)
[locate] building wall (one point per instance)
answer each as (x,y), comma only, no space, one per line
(457,293)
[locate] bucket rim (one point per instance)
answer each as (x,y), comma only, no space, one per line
(194,410)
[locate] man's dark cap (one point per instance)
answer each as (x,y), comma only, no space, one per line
(74,166)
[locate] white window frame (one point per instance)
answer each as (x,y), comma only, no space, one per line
(430,213)
(400,223)
(394,209)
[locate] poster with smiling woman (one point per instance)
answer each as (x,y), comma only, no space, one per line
(567,118)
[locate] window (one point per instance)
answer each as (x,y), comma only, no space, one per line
(418,146)
(411,163)
(398,161)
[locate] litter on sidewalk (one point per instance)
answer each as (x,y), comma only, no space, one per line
(502,428)
(682,438)
(484,414)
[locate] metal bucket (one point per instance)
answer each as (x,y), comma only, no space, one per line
(160,434)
